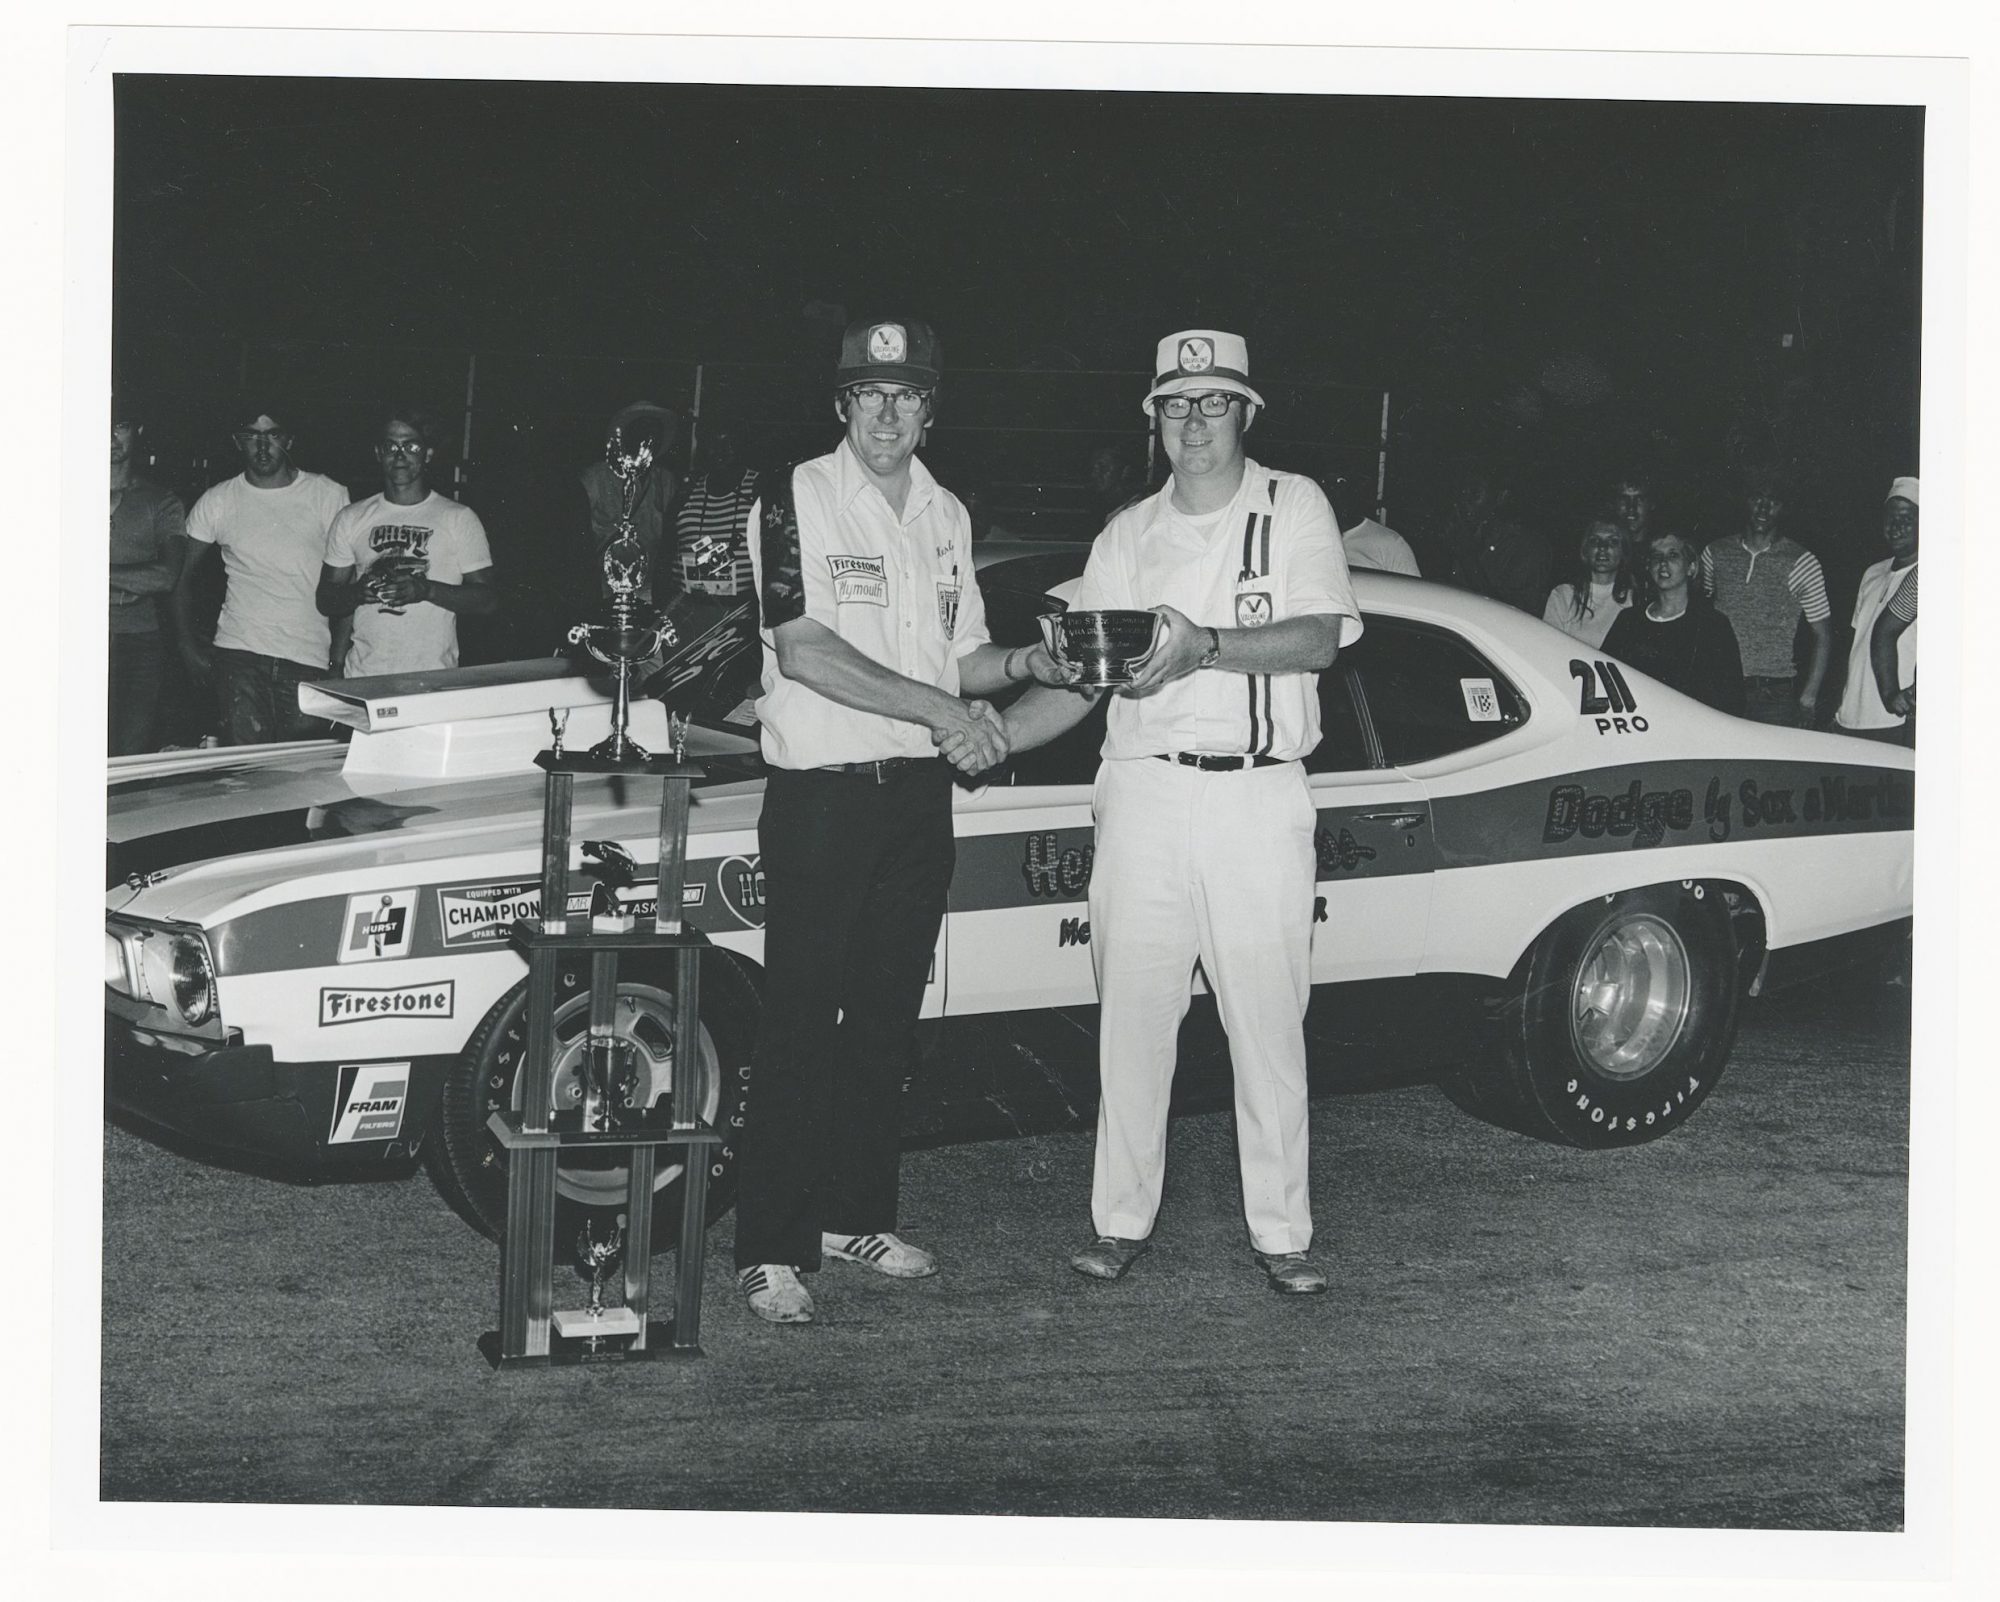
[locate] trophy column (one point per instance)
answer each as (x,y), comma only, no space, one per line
(605,1106)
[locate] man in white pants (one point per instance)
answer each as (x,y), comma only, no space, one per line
(1204,819)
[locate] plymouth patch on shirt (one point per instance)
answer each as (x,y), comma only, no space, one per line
(948,608)
(1253,609)
(859,579)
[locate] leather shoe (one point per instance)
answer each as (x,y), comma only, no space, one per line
(884,1253)
(1108,1256)
(1291,1273)
(776,1296)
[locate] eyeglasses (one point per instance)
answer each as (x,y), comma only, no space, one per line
(401,447)
(873,398)
(1214,404)
(250,436)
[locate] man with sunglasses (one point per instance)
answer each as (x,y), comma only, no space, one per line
(874,632)
(405,564)
(1205,822)
(269,522)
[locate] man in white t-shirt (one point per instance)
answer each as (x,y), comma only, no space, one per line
(1366,542)
(269,522)
(1205,820)
(1879,701)
(405,564)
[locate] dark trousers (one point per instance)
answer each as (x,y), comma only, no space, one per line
(1772,700)
(258,698)
(855,874)
(138,662)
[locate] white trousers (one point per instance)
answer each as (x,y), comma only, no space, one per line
(1215,866)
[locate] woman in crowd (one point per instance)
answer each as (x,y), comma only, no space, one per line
(1677,637)
(1600,586)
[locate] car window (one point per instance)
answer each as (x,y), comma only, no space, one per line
(1343,743)
(1427,692)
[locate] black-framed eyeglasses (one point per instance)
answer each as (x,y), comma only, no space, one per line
(1213,404)
(874,397)
(402,447)
(250,436)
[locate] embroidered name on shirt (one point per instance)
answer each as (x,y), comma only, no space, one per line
(859,580)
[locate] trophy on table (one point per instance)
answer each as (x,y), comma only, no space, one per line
(633,632)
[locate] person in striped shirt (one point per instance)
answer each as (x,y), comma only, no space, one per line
(711,539)
(1764,583)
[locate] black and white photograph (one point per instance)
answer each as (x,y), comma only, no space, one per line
(1144,804)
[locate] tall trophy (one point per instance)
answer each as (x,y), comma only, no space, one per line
(602,1092)
(634,632)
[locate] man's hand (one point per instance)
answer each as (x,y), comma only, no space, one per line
(1903,702)
(196,661)
(973,739)
(1808,707)
(396,582)
(1045,667)
(1183,645)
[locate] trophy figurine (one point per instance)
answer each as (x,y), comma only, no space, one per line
(595,1322)
(635,633)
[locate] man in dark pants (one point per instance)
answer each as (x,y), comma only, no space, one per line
(873,628)
(148,542)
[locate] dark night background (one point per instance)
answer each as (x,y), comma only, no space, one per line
(1553,291)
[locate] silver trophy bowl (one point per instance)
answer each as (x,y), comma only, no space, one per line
(1110,646)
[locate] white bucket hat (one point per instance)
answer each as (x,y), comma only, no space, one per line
(1201,359)
(1906,488)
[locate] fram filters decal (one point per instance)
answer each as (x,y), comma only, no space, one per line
(370,1102)
(483,914)
(346,1006)
(378,925)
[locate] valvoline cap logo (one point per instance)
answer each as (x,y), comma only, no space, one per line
(888,342)
(1197,355)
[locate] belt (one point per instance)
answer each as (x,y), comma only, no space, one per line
(881,770)
(1770,678)
(1218,764)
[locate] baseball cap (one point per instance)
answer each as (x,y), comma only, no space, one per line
(902,353)
(1201,359)
(1905,487)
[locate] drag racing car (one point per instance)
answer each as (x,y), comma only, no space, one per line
(306,946)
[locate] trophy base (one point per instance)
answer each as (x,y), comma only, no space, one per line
(576,1323)
(567,1352)
(1102,679)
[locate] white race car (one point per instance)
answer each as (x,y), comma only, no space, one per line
(306,955)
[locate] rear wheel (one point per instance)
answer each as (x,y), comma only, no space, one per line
(470,1167)
(1618,1022)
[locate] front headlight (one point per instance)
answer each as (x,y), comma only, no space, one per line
(193,979)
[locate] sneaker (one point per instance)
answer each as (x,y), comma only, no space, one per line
(1108,1256)
(776,1296)
(884,1253)
(1291,1273)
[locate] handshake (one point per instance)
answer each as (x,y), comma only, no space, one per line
(974,739)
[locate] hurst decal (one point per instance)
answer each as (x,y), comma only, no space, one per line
(404,1001)
(370,1102)
(484,914)
(378,925)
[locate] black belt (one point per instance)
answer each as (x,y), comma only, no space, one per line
(880,770)
(1217,764)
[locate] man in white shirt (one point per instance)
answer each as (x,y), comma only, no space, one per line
(1879,700)
(405,564)
(873,630)
(1204,818)
(1366,542)
(269,522)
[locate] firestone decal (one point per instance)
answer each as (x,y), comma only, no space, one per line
(405,1001)
(859,579)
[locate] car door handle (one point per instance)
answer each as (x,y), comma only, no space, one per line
(1396,820)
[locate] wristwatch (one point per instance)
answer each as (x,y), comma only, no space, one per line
(1214,652)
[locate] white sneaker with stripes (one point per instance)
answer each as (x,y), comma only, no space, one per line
(883,1253)
(776,1296)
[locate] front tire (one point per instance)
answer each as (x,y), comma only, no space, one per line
(469,1166)
(1619,1021)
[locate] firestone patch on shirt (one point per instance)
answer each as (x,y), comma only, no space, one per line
(859,579)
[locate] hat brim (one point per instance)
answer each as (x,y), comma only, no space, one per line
(888,372)
(1203,383)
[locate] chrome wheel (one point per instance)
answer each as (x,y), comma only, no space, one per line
(1631,997)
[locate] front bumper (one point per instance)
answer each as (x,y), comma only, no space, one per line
(237,1099)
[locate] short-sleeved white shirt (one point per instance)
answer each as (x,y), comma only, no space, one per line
(451,540)
(899,590)
(272,542)
(1275,554)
